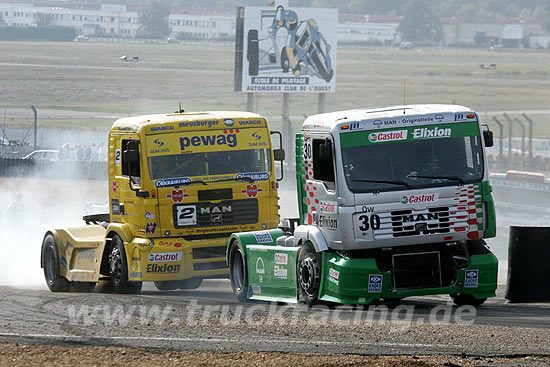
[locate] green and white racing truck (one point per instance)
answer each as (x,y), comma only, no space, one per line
(393,202)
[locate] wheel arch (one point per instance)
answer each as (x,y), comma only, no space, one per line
(312,234)
(113,229)
(251,238)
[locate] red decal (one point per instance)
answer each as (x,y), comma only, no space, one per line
(177,195)
(115,186)
(251,190)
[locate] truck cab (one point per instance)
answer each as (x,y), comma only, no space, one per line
(179,185)
(392,202)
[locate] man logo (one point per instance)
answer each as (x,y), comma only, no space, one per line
(260,267)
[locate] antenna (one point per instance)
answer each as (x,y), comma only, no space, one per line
(404,95)
(180,110)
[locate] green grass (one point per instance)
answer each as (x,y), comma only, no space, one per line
(91,77)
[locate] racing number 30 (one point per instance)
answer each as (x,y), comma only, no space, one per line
(366,222)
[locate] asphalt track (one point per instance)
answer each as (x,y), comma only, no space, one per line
(210,318)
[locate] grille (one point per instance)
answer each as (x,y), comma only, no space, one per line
(410,222)
(417,270)
(209,252)
(210,266)
(228,212)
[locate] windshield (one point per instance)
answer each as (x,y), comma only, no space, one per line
(413,164)
(210,163)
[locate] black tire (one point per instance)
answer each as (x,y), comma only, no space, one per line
(192,283)
(463,299)
(82,287)
(321,68)
(50,257)
(285,63)
(118,269)
(168,285)
(253,52)
(309,273)
(238,273)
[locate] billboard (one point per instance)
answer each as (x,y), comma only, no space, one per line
(288,50)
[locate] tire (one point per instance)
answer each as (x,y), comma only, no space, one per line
(321,67)
(238,272)
(54,280)
(118,269)
(169,285)
(192,283)
(82,287)
(309,273)
(463,299)
(285,63)
(253,52)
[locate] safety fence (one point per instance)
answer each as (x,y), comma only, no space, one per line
(77,170)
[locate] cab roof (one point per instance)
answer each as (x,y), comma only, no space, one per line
(136,123)
(391,116)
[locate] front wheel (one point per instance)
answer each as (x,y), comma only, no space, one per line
(118,269)
(309,273)
(237,271)
(463,299)
(55,281)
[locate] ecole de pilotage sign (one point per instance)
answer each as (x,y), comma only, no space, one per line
(286,50)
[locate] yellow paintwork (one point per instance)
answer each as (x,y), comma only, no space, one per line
(82,248)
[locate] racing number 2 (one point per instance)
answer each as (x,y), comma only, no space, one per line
(366,222)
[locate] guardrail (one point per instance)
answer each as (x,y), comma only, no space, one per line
(76,170)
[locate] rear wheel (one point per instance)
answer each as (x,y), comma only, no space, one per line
(309,273)
(237,271)
(463,299)
(118,269)
(55,281)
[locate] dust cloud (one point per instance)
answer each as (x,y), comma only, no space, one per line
(48,204)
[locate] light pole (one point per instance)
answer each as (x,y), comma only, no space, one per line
(130,60)
(485,68)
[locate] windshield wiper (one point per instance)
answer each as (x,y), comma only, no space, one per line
(239,179)
(402,183)
(450,178)
(193,182)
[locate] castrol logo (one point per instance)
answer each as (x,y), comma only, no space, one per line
(165,257)
(419,199)
(384,136)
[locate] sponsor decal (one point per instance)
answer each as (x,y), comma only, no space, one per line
(208,140)
(333,273)
(208,123)
(162,128)
(177,196)
(115,186)
(472,278)
(377,122)
(229,122)
(420,199)
(251,190)
(145,246)
(354,126)
(263,237)
(335,281)
(166,268)
(280,272)
(327,206)
(281,258)
(150,228)
(328,222)
(260,266)
(115,206)
(86,254)
(439,117)
(137,274)
(158,142)
(384,136)
(250,122)
(434,132)
(170,244)
(63,262)
(375,283)
(149,216)
(186,215)
(164,257)
(256,289)
(256,136)
(172,181)
(256,176)
(419,217)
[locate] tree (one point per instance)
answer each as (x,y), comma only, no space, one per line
(418,21)
(154,20)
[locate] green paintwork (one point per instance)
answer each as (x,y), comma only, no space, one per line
(361,138)
(487,197)
(300,177)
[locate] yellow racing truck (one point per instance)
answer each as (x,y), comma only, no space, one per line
(179,185)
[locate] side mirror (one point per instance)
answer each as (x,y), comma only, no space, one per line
(279,154)
(488,138)
(131,156)
(325,151)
